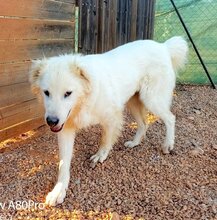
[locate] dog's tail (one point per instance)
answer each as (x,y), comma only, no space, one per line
(178,49)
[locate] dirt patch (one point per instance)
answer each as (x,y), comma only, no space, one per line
(139,183)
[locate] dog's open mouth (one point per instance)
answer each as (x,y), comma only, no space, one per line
(56,128)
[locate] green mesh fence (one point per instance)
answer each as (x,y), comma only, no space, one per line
(200,17)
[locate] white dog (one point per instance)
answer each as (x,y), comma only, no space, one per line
(79,91)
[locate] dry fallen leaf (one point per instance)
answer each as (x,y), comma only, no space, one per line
(150,118)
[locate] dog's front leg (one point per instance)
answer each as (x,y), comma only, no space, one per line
(109,137)
(66,143)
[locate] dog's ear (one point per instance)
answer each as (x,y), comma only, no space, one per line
(83,74)
(35,73)
(80,73)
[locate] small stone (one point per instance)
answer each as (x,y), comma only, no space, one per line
(77,182)
(197,151)
(214,209)
(197,112)
(191,118)
(184,208)
(214,146)
(203,206)
(189,185)
(93,165)
(119,201)
(194,143)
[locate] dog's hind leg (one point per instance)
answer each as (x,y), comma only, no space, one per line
(139,112)
(169,120)
(110,133)
(159,104)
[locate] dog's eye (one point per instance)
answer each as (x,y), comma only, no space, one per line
(46,93)
(67,94)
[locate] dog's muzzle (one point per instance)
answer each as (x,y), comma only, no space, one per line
(53,123)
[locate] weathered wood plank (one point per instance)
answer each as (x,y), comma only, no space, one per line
(133,20)
(151,19)
(18,113)
(17,93)
(123,17)
(146,19)
(106,25)
(95,26)
(92,27)
(139,20)
(100,27)
(15,109)
(119,23)
(35,29)
(103,26)
(20,128)
(14,73)
(22,50)
(38,9)
(88,27)
(128,19)
(82,26)
(80,21)
(113,24)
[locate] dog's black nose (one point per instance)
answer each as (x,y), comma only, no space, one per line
(52,121)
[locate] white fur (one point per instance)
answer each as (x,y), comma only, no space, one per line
(139,74)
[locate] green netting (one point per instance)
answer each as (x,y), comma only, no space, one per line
(200,17)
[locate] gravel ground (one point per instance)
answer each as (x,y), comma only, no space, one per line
(139,183)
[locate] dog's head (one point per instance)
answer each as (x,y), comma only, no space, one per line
(62,83)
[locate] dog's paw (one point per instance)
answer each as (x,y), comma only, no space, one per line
(100,156)
(167,148)
(56,196)
(130,144)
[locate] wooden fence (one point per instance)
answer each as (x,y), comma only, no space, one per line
(105,24)
(29,30)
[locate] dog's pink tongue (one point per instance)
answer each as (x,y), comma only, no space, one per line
(56,129)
